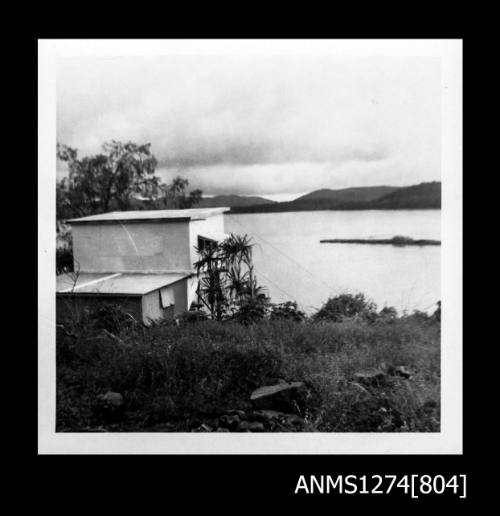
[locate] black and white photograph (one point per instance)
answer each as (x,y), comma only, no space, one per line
(249,246)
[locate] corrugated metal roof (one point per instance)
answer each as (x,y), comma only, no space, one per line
(120,283)
(151,215)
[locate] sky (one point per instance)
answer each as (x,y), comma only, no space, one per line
(275,126)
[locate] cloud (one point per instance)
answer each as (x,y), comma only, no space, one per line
(260,124)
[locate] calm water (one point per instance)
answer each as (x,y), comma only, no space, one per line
(292,264)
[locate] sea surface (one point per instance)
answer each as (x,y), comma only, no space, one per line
(292,263)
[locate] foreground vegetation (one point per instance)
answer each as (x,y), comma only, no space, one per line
(176,376)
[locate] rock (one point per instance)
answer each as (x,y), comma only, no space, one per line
(372,377)
(250,426)
(202,428)
(194,423)
(400,371)
(265,415)
(269,418)
(244,426)
(240,413)
(113,399)
(221,429)
(272,414)
(360,388)
(230,422)
(277,397)
(255,426)
(294,420)
(257,416)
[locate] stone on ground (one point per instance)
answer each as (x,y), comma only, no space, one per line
(229,422)
(250,426)
(400,370)
(370,377)
(277,397)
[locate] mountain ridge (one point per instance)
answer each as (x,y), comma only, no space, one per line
(351,194)
(220,201)
(425,195)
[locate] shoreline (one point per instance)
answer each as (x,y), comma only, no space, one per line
(237,210)
(399,242)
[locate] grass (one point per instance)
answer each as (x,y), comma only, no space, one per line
(171,374)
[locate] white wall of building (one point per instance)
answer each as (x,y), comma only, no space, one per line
(211,227)
(141,246)
(153,309)
(132,247)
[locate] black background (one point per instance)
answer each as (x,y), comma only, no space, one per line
(232,484)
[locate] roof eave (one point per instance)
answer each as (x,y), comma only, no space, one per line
(94,219)
(76,222)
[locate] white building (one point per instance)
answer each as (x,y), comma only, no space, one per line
(142,260)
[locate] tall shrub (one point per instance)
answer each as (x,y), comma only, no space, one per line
(346,306)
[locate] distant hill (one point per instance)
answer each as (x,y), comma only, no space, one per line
(360,194)
(421,196)
(416,197)
(220,201)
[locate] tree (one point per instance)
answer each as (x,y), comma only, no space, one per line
(174,195)
(236,252)
(105,181)
(211,272)
(288,310)
(227,280)
(121,178)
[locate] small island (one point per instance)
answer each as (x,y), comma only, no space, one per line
(396,240)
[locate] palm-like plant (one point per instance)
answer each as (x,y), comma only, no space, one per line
(210,270)
(236,251)
(226,275)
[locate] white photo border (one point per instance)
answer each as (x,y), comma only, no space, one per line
(448,441)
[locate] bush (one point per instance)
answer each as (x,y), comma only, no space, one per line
(388,314)
(437,314)
(64,260)
(109,317)
(251,310)
(64,249)
(421,317)
(288,310)
(346,306)
(192,316)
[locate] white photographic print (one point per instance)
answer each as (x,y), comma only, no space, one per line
(250,246)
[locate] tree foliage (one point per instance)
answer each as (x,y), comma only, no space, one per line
(174,195)
(122,177)
(288,310)
(346,306)
(228,286)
